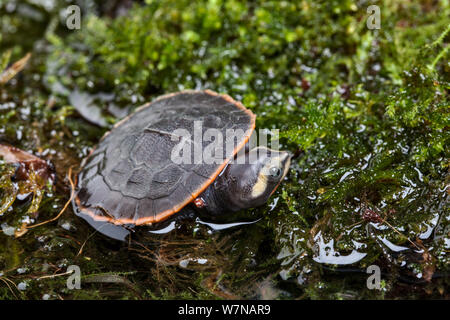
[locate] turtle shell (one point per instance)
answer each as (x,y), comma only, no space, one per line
(130,178)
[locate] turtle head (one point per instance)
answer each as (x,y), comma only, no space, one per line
(248,181)
(253,177)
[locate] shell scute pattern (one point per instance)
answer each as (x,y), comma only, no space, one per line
(130,177)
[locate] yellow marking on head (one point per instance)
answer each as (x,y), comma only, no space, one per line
(260,186)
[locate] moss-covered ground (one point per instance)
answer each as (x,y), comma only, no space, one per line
(365,111)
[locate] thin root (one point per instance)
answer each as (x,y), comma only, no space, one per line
(72,194)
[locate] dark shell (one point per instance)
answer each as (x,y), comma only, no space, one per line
(129,178)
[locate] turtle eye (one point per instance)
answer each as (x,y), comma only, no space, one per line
(275,172)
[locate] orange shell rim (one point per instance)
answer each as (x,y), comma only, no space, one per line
(166,214)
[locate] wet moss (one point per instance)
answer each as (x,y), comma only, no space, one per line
(366,111)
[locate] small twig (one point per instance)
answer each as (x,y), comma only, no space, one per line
(393,228)
(354,224)
(55,275)
(375,217)
(9,73)
(85,241)
(72,194)
(5,280)
(349,227)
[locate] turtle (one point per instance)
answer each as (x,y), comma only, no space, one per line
(188,150)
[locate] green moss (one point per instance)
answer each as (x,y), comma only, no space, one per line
(367,109)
